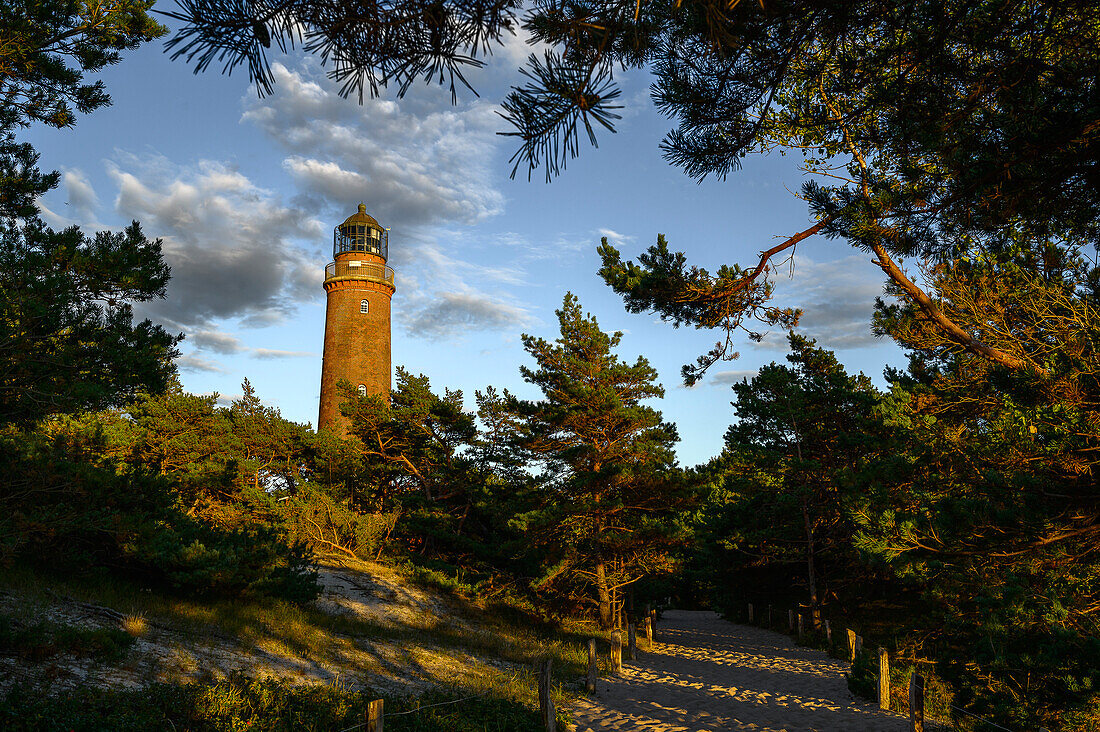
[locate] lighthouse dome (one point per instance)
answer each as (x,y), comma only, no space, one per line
(361,218)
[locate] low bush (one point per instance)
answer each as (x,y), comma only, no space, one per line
(43,640)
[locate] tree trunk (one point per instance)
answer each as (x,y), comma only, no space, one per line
(604,595)
(815,606)
(616,607)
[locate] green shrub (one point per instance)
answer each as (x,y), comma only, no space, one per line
(70,511)
(189,555)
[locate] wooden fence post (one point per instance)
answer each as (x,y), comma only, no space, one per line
(828,634)
(647,625)
(750,613)
(546,703)
(653,623)
(616,652)
(632,642)
(916,702)
(790,620)
(374,716)
(590,682)
(800,625)
(851,645)
(769,617)
(883,679)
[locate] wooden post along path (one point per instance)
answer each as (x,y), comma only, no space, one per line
(546,702)
(790,620)
(653,625)
(616,652)
(883,679)
(750,613)
(800,631)
(828,634)
(853,646)
(916,702)
(374,716)
(590,681)
(647,625)
(631,642)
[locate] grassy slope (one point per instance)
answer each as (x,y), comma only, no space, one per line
(323,665)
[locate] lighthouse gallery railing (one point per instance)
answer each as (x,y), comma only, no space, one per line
(372,271)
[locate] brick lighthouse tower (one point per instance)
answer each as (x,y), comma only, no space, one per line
(357,321)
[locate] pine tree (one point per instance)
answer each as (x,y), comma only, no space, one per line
(803,432)
(68,340)
(274,449)
(606,456)
(415,441)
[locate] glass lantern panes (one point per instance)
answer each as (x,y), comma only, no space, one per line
(360,238)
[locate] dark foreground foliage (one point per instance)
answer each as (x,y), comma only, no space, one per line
(259,706)
(67,509)
(45,639)
(948,520)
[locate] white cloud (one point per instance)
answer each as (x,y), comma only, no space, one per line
(268,354)
(195,363)
(528,252)
(613,237)
(837,299)
(732,377)
(82,198)
(228,345)
(235,249)
(209,340)
(416,162)
(79,207)
(450,314)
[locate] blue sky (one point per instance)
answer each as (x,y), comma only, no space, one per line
(245,193)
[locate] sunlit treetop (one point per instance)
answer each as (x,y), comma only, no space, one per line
(49,46)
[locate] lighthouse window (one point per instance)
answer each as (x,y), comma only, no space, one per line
(362,390)
(364,307)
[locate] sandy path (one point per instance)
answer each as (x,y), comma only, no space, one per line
(707,674)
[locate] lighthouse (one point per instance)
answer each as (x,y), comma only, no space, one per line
(359,287)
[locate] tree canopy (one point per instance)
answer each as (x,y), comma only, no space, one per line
(929,131)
